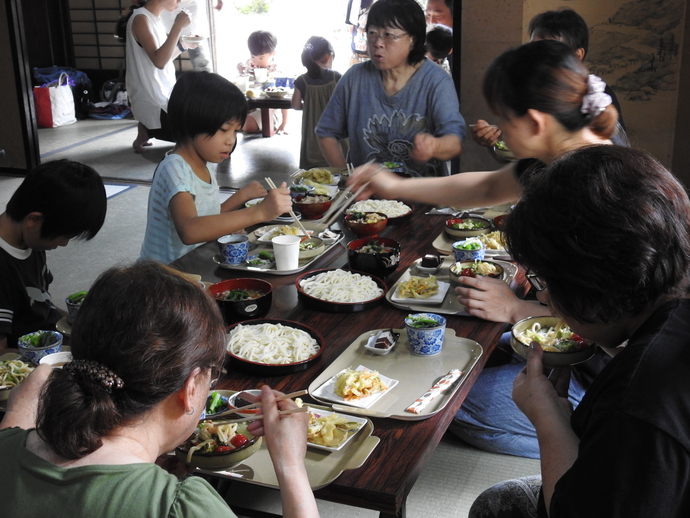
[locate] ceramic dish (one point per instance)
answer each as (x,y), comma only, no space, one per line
(5,392)
(385,337)
(339,307)
(464,233)
(193,39)
(327,391)
(256,261)
(318,248)
(222,461)
(238,310)
(288,219)
(224,396)
(431,301)
(236,401)
(277,369)
(358,424)
(551,359)
(253,202)
(265,234)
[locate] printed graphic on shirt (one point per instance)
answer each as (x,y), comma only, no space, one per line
(391,139)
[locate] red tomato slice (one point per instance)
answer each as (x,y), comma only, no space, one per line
(238,440)
(467,272)
(222,449)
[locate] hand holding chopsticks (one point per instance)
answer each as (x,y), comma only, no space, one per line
(299,224)
(256,417)
(258,405)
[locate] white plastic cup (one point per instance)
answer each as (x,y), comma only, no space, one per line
(261,75)
(242,83)
(286,251)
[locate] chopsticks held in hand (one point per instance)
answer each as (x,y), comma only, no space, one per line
(257,405)
(299,224)
(297,410)
(336,212)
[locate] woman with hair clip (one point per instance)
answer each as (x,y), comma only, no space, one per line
(312,92)
(547,104)
(146,344)
(613,233)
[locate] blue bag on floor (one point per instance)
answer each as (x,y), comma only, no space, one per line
(108,111)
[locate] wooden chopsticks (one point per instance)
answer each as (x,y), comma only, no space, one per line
(297,410)
(279,398)
(299,224)
(255,405)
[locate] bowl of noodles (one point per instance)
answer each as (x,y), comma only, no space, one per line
(13,370)
(561,346)
(242,299)
(396,211)
(340,291)
(273,347)
(312,206)
(217,446)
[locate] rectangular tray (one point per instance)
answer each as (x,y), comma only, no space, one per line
(303,265)
(416,374)
(450,304)
(323,467)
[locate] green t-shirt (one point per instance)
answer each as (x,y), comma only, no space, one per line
(32,487)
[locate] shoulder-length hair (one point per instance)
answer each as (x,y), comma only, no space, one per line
(607,228)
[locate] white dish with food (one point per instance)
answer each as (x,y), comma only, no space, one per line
(253,202)
(327,390)
(346,427)
(265,234)
(193,38)
(434,299)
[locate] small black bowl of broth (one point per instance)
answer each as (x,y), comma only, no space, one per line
(378,256)
(242,299)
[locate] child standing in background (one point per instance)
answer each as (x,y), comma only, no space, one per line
(206,112)
(312,92)
(262,49)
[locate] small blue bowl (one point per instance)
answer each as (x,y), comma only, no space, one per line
(468,255)
(34,354)
(426,341)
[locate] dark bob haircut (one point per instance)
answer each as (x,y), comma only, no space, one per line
(406,15)
(69,194)
(608,229)
(201,102)
(261,42)
(563,25)
(545,76)
(149,326)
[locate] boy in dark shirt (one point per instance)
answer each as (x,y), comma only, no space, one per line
(56,202)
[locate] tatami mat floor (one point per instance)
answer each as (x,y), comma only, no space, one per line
(455,474)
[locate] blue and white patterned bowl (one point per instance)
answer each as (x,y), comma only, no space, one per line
(426,341)
(34,354)
(233,248)
(469,255)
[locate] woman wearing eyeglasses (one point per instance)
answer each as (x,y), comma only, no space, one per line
(398,106)
(147,345)
(613,228)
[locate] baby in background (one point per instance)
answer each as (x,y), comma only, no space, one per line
(262,49)
(206,112)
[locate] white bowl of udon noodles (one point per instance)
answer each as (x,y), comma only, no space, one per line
(273,346)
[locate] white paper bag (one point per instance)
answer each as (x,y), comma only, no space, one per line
(54,104)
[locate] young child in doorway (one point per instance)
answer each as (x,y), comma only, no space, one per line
(206,112)
(439,44)
(262,50)
(56,202)
(312,92)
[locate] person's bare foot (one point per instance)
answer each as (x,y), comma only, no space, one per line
(139,146)
(142,139)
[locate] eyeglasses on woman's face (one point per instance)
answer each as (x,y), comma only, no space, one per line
(386,37)
(535,281)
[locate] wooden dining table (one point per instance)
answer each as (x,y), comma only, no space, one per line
(266,104)
(384,481)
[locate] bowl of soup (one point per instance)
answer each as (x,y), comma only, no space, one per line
(242,299)
(312,206)
(366,223)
